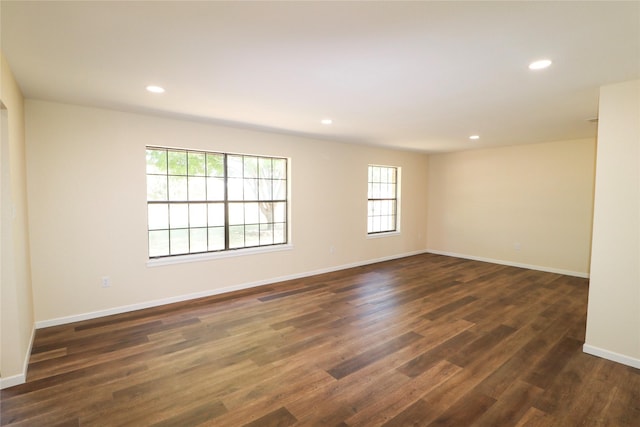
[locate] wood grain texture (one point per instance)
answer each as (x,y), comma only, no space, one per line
(423,340)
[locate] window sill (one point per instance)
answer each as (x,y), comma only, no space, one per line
(181,259)
(380,235)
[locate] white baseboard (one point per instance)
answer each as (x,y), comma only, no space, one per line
(20,378)
(11,381)
(512,264)
(611,355)
(179,298)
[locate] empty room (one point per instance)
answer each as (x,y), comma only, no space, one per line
(304,213)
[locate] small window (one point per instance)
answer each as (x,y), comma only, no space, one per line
(201,202)
(383,199)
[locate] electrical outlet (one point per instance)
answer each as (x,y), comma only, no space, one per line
(106,282)
(517,246)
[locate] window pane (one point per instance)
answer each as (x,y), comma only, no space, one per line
(216,238)
(266,212)
(157,161)
(250,167)
(177,162)
(215,165)
(250,189)
(377,211)
(197,215)
(376,191)
(196,163)
(280,212)
(265,168)
(279,169)
(198,240)
(279,235)
(265,189)
(234,166)
(279,189)
(215,188)
(178,188)
(384,191)
(179,240)
(266,234)
(235,188)
(179,215)
(251,213)
(252,235)
(376,223)
(158,243)
(215,214)
(158,216)
(156,187)
(370,225)
(384,207)
(375,177)
(236,236)
(236,213)
(197,188)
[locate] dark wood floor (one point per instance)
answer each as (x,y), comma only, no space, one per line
(424,340)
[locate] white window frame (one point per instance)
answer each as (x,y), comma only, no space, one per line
(189,256)
(397,199)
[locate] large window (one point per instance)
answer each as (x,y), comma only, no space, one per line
(206,202)
(383,199)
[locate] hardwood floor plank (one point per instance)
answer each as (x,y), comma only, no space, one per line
(364,359)
(448,308)
(199,415)
(511,406)
(426,339)
(278,418)
(426,360)
(395,401)
(550,366)
(471,351)
(465,411)
(535,418)
(290,293)
(414,415)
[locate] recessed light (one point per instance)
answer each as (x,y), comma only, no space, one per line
(155,89)
(474,137)
(539,65)
(326,121)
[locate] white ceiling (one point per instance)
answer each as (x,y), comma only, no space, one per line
(414,75)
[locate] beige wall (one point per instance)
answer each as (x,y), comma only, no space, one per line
(523,205)
(613,318)
(16,307)
(88,209)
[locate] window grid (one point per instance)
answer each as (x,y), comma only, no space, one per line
(382,206)
(193,207)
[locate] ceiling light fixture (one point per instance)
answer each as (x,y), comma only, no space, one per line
(155,89)
(474,137)
(326,121)
(539,65)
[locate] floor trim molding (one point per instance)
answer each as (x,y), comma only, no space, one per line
(20,378)
(511,263)
(611,355)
